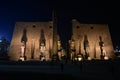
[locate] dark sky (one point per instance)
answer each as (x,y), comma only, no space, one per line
(86,11)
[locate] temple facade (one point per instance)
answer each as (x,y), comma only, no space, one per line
(40,41)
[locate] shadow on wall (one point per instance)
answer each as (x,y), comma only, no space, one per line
(24,36)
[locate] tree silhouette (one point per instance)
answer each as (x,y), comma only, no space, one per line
(4,45)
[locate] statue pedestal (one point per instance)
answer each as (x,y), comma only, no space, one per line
(42,58)
(22,58)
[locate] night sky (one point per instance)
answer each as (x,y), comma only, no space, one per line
(86,11)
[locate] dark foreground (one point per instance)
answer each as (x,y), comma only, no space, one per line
(36,70)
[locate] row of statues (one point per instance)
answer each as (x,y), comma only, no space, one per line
(60,50)
(42,49)
(86,46)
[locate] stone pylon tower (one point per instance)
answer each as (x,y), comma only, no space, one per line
(98,39)
(38,38)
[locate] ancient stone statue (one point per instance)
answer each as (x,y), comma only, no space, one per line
(42,45)
(22,53)
(72,49)
(86,47)
(101,44)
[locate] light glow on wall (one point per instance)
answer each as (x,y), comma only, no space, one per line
(79,59)
(106,58)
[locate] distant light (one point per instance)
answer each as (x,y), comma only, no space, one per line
(116,49)
(0,40)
